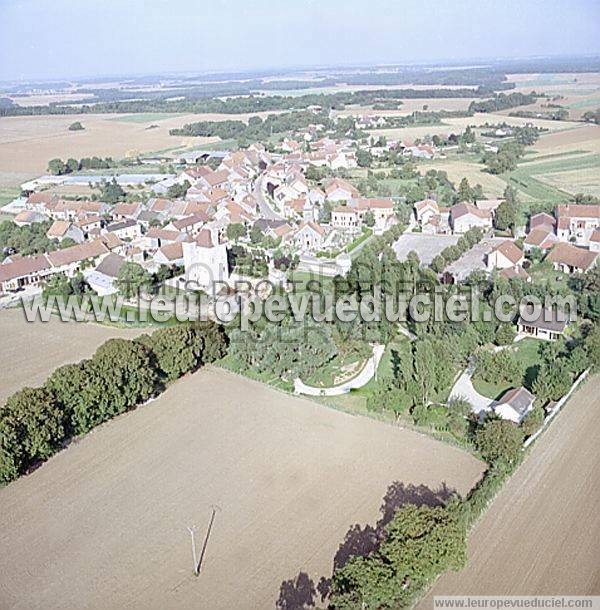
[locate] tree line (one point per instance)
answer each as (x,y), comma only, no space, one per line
(36,422)
(503,101)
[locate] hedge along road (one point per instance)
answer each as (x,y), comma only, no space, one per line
(540,536)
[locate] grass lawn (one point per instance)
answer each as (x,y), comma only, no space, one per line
(235,366)
(7,194)
(527,353)
(544,275)
(338,370)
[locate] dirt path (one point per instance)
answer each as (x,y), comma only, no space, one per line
(541,534)
(31,351)
(104,523)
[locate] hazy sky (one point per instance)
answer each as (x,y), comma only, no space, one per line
(60,38)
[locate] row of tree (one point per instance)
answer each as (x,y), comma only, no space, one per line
(58,167)
(36,422)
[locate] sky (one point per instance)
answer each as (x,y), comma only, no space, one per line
(42,39)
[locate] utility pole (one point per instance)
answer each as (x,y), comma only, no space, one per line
(192,531)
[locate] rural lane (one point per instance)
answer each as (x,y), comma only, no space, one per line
(266,211)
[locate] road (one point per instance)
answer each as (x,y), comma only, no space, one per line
(540,536)
(266,211)
(463,388)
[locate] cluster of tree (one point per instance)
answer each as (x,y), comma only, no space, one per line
(503,101)
(177,190)
(592,116)
(76,126)
(505,160)
(241,101)
(36,422)
(419,544)
(58,167)
(62,286)
(28,239)
(250,262)
(112,192)
(134,281)
(499,367)
(468,193)
(451,254)
(557,114)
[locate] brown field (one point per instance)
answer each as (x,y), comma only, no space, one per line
(103,524)
(32,351)
(586,137)
(540,536)
(410,105)
(28,143)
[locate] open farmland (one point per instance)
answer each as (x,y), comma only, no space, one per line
(33,350)
(27,143)
(540,536)
(104,523)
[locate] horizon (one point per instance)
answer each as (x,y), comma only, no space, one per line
(231,38)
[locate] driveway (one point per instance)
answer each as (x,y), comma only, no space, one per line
(463,388)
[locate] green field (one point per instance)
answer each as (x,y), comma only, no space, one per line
(146,117)
(7,194)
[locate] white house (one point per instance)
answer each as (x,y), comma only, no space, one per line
(465,216)
(576,223)
(515,404)
(504,256)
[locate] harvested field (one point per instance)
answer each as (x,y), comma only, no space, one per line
(28,143)
(585,137)
(105,521)
(575,181)
(33,350)
(457,169)
(540,536)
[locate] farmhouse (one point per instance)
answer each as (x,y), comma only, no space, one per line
(310,236)
(24,271)
(345,218)
(63,229)
(539,238)
(515,404)
(571,259)
(125,229)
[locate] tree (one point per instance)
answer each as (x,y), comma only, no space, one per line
(465,192)
(132,279)
(505,334)
(325,212)
(72,165)
(533,421)
(112,192)
(364,158)
(76,126)
(235,231)
(56,167)
(499,439)
(420,542)
(506,216)
(31,429)
(177,350)
(178,191)
(369,218)
(438,264)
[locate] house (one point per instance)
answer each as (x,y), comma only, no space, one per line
(571,259)
(465,216)
(63,229)
(539,238)
(576,223)
(125,229)
(121,211)
(102,278)
(73,259)
(506,255)
(548,324)
(27,217)
(382,209)
(515,404)
(542,221)
(345,218)
(169,254)
(424,210)
(24,271)
(190,224)
(340,190)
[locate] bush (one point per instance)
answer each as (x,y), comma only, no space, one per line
(533,421)
(505,334)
